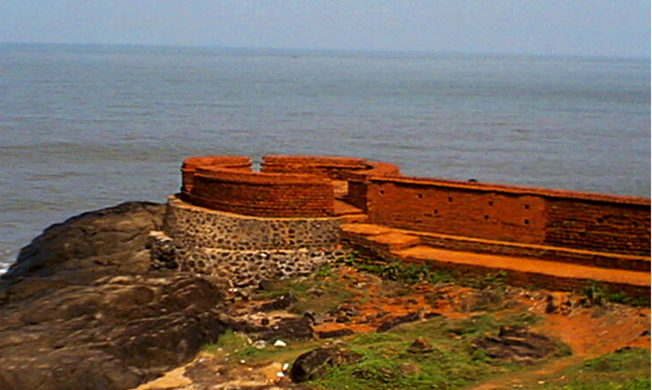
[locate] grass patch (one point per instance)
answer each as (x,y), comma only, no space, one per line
(410,274)
(389,363)
(598,294)
(237,347)
(627,369)
(321,292)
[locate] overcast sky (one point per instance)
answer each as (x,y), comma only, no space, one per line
(570,27)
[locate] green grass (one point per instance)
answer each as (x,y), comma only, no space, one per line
(237,347)
(624,370)
(321,292)
(411,274)
(599,294)
(453,363)
(387,362)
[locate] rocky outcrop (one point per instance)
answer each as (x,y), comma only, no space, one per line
(316,363)
(111,240)
(81,309)
(517,344)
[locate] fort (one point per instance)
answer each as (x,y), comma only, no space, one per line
(299,212)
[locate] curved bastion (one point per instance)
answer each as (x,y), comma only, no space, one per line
(243,226)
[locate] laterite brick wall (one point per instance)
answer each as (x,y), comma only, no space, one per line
(190,165)
(262,194)
(514,214)
(600,226)
(331,167)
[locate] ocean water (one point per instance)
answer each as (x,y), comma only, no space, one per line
(84,127)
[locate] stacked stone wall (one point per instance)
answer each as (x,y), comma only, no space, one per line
(242,250)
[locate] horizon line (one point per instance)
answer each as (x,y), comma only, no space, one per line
(272,48)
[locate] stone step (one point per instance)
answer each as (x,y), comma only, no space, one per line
(343,208)
(529,272)
(365,229)
(393,241)
(353,218)
(347,213)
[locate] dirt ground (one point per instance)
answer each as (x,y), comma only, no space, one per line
(370,303)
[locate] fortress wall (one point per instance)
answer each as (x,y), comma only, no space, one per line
(460,211)
(514,214)
(262,194)
(331,167)
(193,226)
(242,250)
(359,180)
(599,226)
(190,165)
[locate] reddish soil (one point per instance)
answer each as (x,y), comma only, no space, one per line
(589,331)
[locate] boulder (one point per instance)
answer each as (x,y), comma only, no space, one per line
(517,344)
(396,321)
(107,240)
(81,308)
(316,363)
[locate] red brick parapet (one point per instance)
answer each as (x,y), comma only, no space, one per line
(190,165)
(337,168)
(262,194)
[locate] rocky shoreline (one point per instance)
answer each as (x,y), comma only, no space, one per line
(81,308)
(85,307)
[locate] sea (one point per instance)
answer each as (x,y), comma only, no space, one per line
(84,127)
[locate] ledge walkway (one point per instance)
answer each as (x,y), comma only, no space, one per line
(559,269)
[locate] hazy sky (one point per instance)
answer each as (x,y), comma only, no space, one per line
(575,27)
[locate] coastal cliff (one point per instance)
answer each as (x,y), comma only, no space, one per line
(86,307)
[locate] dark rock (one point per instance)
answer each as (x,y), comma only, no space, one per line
(165,255)
(82,310)
(431,314)
(280,303)
(316,363)
(395,321)
(312,317)
(516,344)
(109,238)
(550,304)
(342,319)
(297,328)
(335,333)
(420,346)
